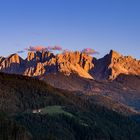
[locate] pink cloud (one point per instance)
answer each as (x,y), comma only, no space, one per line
(42,48)
(54,48)
(36,48)
(89,51)
(58,48)
(66,51)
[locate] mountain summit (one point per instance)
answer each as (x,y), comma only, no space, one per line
(114,64)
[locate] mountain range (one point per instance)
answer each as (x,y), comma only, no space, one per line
(69,96)
(114,75)
(43,63)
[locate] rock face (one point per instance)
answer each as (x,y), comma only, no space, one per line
(114,64)
(38,64)
(76,62)
(41,63)
(11,64)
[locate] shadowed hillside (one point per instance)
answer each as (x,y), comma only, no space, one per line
(11,130)
(48,113)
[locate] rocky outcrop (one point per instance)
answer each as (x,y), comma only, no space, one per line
(41,63)
(124,65)
(12,64)
(75,62)
(114,64)
(31,56)
(39,56)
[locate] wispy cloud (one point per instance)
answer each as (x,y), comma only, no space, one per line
(20,51)
(66,51)
(43,48)
(89,51)
(36,48)
(57,48)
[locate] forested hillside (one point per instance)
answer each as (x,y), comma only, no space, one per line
(47,113)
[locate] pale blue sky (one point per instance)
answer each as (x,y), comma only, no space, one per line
(72,24)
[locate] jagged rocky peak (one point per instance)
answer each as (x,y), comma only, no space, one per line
(114,54)
(72,57)
(124,65)
(75,62)
(75,57)
(85,61)
(14,58)
(10,60)
(44,62)
(114,64)
(31,56)
(12,64)
(46,56)
(40,56)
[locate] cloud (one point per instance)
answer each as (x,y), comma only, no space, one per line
(54,48)
(42,48)
(57,48)
(36,48)
(20,51)
(66,51)
(89,51)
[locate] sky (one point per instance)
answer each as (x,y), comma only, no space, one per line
(73,24)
